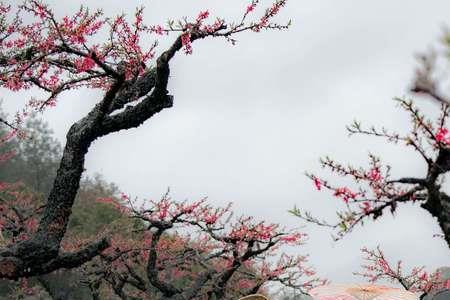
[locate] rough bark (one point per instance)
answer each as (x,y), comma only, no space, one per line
(438,202)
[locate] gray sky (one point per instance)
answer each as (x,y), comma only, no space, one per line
(250,119)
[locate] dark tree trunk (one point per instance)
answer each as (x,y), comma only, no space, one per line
(438,204)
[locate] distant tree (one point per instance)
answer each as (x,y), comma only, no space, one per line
(36,159)
(41,51)
(34,163)
(90,217)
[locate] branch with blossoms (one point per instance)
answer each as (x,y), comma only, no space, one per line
(377,267)
(193,250)
(374,191)
(58,55)
(42,51)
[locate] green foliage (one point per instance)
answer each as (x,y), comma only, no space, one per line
(89,216)
(37,156)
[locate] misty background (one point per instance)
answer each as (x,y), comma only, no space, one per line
(249,120)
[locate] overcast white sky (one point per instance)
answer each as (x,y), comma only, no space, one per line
(250,119)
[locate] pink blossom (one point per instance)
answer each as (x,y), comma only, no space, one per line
(291,238)
(138,20)
(442,136)
(19,43)
(375,175)
(14,84)
(345,193)
(214,27)
(423,276)
(50,103)
(211,219)
(251,7)
(202,16)
(384,265)
(366,207)
(186,42)
(158,29)
(40,11)
(84,64)
(447,284)
(317,183)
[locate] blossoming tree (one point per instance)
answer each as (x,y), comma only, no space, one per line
(374,191)
(42,52)
(175,250)
(191,250)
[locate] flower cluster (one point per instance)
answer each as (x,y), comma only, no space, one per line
(443,136)
(358,203)
(269,14)
(345,193)
(251,7)
(186,42)
(202,16)
(377,267)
